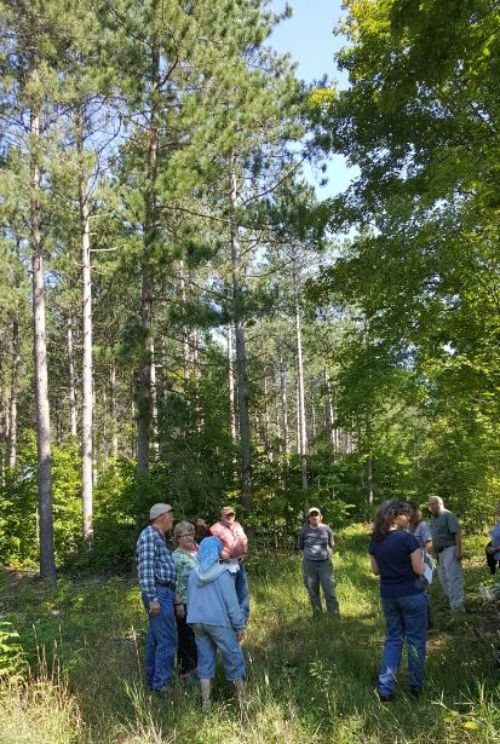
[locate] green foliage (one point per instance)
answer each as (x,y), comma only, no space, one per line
(11,652)
(19,505)
(419,276)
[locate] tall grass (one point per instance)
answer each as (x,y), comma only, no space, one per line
(308,682)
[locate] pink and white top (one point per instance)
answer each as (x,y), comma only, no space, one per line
(233,538)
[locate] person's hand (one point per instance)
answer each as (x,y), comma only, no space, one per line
(240,635)
(458,555)
(243,557)
(180,611)
(154,607)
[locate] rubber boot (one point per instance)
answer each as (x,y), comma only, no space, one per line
(206,694)
(241,691)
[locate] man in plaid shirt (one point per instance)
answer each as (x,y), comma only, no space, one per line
(157,579)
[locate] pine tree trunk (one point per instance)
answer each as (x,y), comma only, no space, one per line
(154,399)
(230,375)
(369,473)
(330,416)
(87,392)
(71,379)
(185,328)
(301,413)
(314,428)
(112,404)
(284,407)
(46,526)
(150,233)
(241,361)
(16,360)
(3,429)
(267,424)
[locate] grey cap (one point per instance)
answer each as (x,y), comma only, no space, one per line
(157,510)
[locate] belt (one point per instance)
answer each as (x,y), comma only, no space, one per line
(167,584)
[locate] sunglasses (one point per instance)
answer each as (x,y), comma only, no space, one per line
(314,514)
(185,534)
(230,514)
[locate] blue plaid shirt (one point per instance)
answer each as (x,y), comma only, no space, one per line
(154,562)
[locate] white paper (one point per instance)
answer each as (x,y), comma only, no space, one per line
(428,567)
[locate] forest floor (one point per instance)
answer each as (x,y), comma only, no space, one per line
(308,682)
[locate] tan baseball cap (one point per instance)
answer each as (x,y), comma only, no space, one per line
(157,510)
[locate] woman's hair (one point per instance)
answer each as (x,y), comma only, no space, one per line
(386,514)
(414,510)
(181,528)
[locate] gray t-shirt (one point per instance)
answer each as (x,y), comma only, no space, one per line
(422,533)
(316,542)
(444,527)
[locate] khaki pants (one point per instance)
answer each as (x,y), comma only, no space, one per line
(316,574)
(451,578)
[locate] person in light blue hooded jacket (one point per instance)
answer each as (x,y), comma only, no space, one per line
(218,622)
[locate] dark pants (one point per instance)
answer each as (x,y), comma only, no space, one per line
(186,651)
(242,591)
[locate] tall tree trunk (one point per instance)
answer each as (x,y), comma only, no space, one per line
(87,392)
(71,379)
(149,238)
(314,430)
(3,428)
(267,422)
(154,399)
(369,478)
(230,376)
(301,413)
(284,406)
(185,327)
(330,415)
(16,360)
(112,405)
(241,360)
(46,526)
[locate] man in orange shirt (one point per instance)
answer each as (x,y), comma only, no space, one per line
(235,542)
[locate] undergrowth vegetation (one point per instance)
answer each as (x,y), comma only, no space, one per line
(308,682)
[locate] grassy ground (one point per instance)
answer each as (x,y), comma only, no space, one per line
(307,682)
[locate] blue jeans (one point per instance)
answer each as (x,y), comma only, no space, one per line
(209,638)
(242,592)
(161,640)
(404,616)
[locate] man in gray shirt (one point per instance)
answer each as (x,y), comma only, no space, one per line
(447,543)
(316,542)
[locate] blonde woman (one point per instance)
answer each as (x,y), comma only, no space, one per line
(185,558)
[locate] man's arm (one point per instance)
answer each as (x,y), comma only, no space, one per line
(417,562)
(301,539)
(458,545)
(146,570)
(218,530)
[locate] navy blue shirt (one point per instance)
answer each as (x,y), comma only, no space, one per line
(397,578)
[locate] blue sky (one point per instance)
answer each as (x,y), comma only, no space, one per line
(308,38)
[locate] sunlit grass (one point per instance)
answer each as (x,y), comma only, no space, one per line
(308,682)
